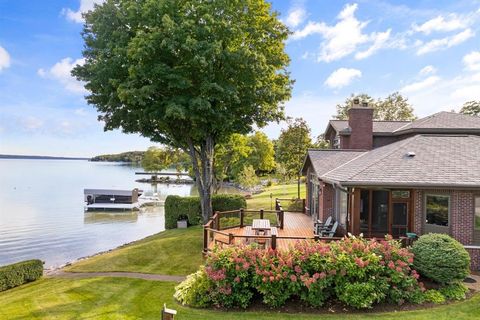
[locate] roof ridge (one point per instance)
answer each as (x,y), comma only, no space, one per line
(421,120)
(376,161)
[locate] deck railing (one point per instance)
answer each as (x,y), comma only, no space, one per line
(215,232)
(290,204)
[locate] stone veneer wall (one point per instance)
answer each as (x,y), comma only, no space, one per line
(461,218)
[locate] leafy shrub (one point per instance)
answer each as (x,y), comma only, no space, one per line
(454,291)
(441,258)
(360,294)
(19,273)
(228,202)
(194,291)
(356,271)
(434,296)
(177,206)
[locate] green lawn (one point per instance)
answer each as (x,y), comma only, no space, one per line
(121,298)
(174,252)
(265,201)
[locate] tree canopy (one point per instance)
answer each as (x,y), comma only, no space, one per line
(187,74)
(393,107)
(471,108)
(158,159)
(292,146)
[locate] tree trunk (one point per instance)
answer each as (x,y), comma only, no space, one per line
(202,161)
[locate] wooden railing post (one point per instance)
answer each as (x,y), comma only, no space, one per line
(230,238)
(274,241)
(282,218)
(217,220)
(241,217)
(261,213)
(304,206)
(205,239)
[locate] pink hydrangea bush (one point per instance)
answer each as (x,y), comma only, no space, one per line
(355,271)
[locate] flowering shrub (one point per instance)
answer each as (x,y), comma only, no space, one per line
(356,271)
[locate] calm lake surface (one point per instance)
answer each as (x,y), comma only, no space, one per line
(42,210)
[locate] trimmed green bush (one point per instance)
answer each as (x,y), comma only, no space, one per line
(227,202)
(189,207)
(454,291)
(194,291)
(441,258)
(14,275)
(434,296)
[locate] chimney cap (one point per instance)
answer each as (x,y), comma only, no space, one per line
(356,101)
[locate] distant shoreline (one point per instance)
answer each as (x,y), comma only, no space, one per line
(23,157)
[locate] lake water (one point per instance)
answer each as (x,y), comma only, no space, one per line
(42,210)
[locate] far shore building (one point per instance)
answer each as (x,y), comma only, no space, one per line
(394,177)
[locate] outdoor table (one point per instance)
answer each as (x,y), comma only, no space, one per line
(261,225)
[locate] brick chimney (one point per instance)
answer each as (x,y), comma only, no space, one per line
(360,121)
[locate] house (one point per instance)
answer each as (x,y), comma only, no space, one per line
(394,177)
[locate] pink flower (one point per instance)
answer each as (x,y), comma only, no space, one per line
(237,279)
(298,269)
(272,278)
(293,278)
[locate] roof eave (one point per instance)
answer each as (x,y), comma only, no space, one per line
(422,185)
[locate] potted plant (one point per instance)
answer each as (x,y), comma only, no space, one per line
(182,222)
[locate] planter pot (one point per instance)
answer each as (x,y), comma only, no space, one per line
(181,224)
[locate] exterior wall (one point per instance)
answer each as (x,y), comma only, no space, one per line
(461,219)
(360,121)
(327,202)
(380,141)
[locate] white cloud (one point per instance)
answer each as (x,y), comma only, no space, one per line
(444,43)
(296,16)
(442,24)
(428,70)
(31,123)
(343,38)
(80,112)
(85,5)
(342,77)
(379,41)
(421,85)
(61,72)
(472,61)
(4,59)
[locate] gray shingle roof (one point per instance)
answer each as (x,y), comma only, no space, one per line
(378,126)
(324,160)
(439,161)
(443,121)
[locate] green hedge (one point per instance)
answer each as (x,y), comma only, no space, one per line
(441,258)
(17,274)
(176,207)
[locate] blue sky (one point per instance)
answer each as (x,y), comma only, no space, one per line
(427,50)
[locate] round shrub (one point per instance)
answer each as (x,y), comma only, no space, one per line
(454,291)
(441,258)
(194,290)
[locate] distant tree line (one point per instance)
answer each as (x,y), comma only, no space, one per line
(130,156)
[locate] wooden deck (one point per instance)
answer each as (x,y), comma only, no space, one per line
(296,226)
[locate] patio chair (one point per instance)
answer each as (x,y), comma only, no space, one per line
(319,226)
(330,232)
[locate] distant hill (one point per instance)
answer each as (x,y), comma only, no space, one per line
(130,156)
(15,156)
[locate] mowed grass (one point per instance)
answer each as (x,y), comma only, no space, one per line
(172,252)
(266,199)
(122,298)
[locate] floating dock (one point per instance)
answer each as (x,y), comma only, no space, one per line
(112,200)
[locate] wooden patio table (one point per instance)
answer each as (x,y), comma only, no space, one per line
(261,225)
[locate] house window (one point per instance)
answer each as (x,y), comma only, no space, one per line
(437,209)
(342,208)
(401,194)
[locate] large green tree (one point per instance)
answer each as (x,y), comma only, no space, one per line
(471,108)
(186,73)
(292,146)
(393,107)
(157,159)
(262,157)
